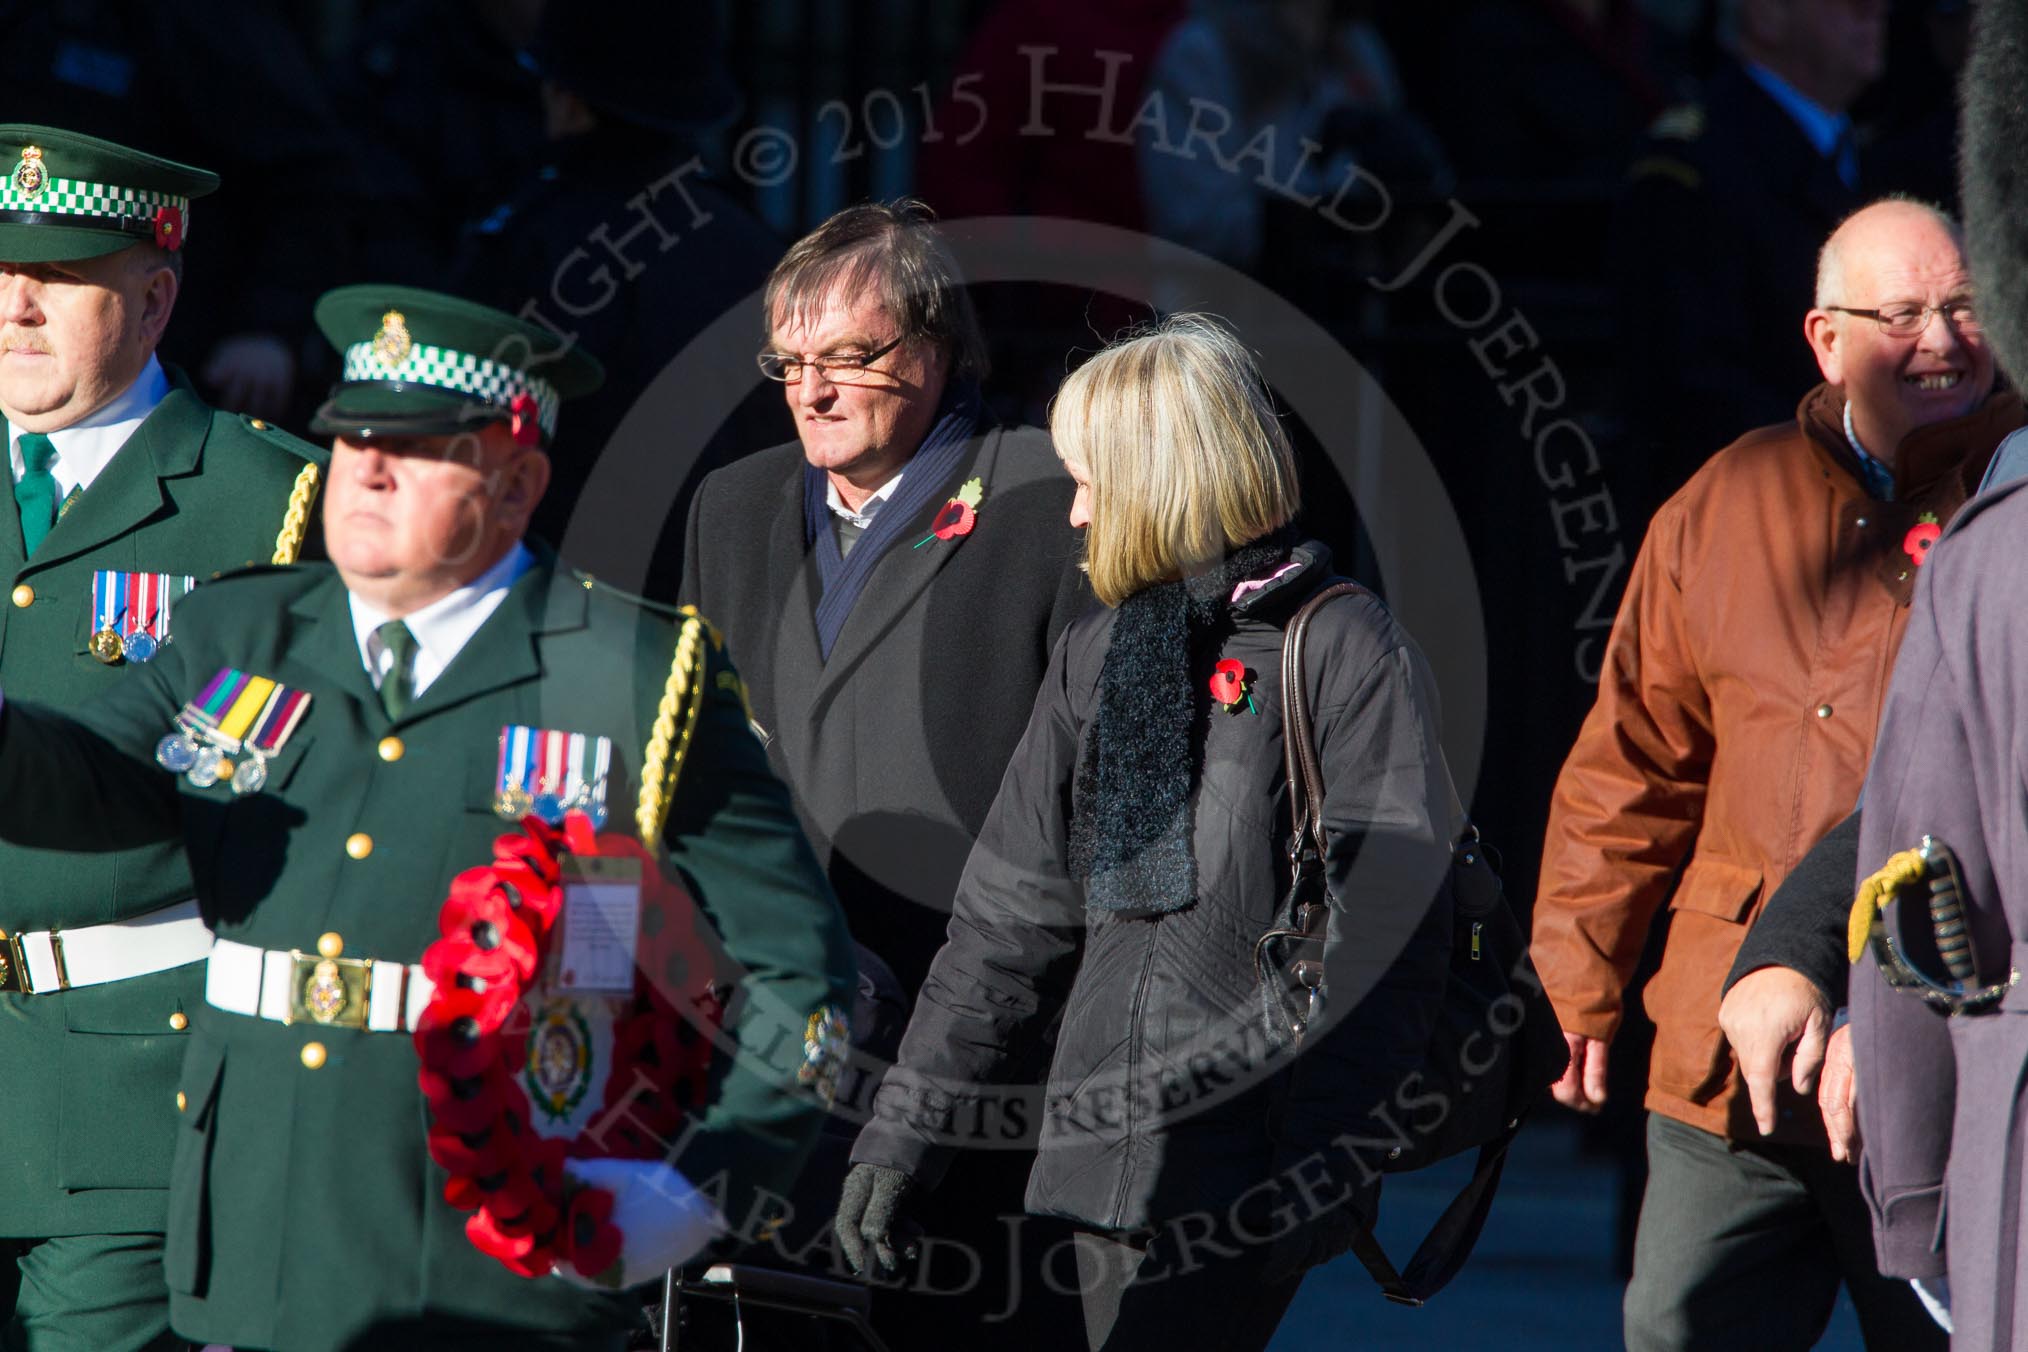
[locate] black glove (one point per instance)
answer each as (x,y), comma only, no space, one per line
(866,1217)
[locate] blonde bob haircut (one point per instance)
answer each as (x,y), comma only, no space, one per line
(1186,457)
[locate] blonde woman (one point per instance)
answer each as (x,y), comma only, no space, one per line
(1137,850)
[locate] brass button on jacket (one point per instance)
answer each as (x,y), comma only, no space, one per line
(391,749)
(359,845)
(313,1055)
(24,596)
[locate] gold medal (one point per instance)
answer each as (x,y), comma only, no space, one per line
(106,646)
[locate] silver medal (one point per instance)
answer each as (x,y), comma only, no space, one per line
(204,773)
(176,753)
(252,774)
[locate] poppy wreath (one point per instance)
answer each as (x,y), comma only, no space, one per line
(496,925)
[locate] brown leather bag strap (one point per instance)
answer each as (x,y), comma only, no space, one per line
(1299,743)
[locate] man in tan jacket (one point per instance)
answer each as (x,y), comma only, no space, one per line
(1735,714)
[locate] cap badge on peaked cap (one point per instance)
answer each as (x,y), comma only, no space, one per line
(393,341)
(30,178)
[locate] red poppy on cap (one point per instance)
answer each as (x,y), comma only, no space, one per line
(169,228)
(525,420)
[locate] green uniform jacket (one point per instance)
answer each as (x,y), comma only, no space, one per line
(86,1120)
(305,1211)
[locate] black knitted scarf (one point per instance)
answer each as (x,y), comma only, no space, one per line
(1130,805)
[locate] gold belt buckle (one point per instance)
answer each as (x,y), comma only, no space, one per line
(329,991)
(13,966)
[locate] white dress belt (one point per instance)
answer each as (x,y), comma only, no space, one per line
(270,983)
(44,961)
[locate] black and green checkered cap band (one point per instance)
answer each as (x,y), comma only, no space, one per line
(131,209)
(449,369)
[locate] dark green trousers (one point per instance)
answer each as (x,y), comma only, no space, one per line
(1744,1247)
(90,1293)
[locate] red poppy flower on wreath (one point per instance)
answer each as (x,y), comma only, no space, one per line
(472,1040)
(471,1155)
(594,1240)
(955,519)
(169,228)
(522,1255)
(1229,686)
(449,1036)
(461,1192)
(1921,537)
(484,918)
(464,1104)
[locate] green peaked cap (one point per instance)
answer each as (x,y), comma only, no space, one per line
(64,195)
(421,363)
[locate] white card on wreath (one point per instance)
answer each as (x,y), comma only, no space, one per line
(601,922)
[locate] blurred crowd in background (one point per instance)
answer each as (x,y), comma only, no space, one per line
(1639,203)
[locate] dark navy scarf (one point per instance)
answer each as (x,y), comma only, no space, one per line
(926,479)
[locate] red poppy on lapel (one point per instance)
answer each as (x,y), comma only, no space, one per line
(1921,537)
(956,517)
(1228,686)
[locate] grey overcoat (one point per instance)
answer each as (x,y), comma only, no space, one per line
(1940,1098)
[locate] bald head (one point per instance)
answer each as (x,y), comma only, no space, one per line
(1886,225)
(1908,257)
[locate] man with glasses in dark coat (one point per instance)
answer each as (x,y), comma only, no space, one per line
(891,584)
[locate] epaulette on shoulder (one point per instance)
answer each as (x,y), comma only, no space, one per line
(285,441)
(255,570)
(272,579)
(1679,122)
(676,615)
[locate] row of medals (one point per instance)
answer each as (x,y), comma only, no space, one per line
(181,753)
(109,647)
(515,802)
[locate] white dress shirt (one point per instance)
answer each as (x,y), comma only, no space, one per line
(441,628)
(84,449)
(863,518)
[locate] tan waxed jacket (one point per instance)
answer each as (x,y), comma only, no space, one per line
(1735,717)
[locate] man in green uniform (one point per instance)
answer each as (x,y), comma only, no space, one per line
(306,1212)
(125,489)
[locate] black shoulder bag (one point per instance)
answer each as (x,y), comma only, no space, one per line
(1496,1047)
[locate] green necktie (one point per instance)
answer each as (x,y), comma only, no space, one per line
(397,688)
(35,494)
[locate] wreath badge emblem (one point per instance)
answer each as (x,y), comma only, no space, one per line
(560,1057)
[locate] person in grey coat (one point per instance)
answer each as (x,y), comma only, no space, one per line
(1137,851)
(1939,1097)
